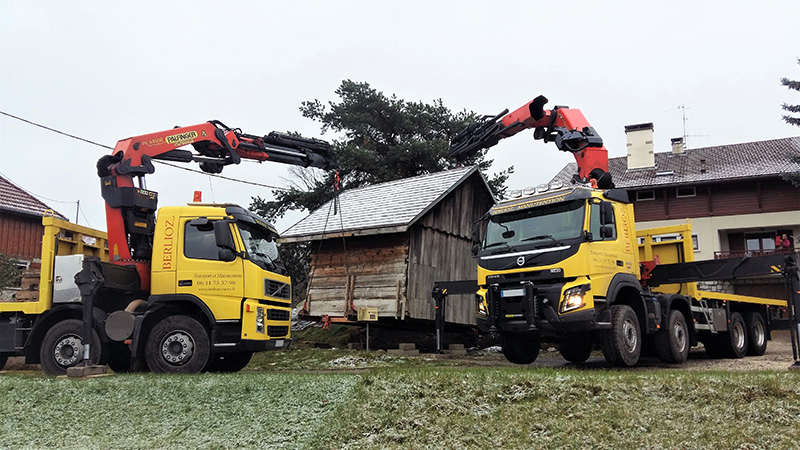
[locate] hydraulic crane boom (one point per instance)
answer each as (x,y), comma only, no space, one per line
(130,210)
(568,128)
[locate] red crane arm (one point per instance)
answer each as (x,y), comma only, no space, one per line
(566,127)
(130,210)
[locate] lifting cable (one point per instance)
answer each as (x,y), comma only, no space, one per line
(334,207)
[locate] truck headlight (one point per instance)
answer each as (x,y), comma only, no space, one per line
(482,310)
(573,298)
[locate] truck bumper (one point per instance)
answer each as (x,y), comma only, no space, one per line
(260,346)
(549,323)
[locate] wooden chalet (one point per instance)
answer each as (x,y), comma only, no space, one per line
(383,246)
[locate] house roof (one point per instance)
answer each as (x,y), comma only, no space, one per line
(704,165)
(15,199)
(389,207)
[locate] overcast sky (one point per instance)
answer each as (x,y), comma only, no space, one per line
(107,70)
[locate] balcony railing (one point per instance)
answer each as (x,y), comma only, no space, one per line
(743,253)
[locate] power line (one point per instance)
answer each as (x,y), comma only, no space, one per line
(161,162)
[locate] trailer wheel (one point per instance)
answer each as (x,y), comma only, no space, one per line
(178,344)
(672,340)
(520,348)
(756,333)
(229,362)
(3,360)
(62,347)
(622,345)
(575,350)
(734,341)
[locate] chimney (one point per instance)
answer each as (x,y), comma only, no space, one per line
(677,146)
(640,146)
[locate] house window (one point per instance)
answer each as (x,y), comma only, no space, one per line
(696,243)
(756,242)
(645,195)
(687,191)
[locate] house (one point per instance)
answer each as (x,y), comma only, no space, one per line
(383,246)
(734,195)
(21,224)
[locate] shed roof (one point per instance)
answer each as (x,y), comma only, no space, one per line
(17,200)
(705,165)
(389,207)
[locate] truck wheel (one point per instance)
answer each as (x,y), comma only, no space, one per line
(3,360)
(520,348)
(229,362)
(756,333)
(62,347)
(672,340)
(178,344)
(734,341)
(575,350)
(622,345)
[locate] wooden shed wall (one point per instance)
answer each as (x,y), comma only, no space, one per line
(441,250)
(21,236)
(377,271)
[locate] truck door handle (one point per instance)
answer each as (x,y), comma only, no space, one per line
(184,283)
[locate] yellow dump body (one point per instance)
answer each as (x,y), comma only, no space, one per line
(60,238)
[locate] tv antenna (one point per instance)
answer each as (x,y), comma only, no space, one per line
(686,137)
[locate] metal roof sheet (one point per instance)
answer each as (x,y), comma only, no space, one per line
(704,165)
(391,206)
(15,199)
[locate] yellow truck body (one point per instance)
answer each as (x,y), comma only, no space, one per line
(233,295)
(567,266)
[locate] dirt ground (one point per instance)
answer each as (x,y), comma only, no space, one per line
(777,357)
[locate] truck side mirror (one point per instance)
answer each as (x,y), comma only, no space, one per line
(222,234)
(606,232)
(606,213)
(476,238)
(226,254)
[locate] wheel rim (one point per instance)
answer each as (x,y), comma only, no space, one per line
(760,336)
(68,350)
(177,348)
(630,336)
(738,335)
(679,333)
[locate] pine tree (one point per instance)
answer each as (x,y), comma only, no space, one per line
(793,85)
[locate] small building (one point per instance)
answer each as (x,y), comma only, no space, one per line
(21,224)
(383,246)
(735,196)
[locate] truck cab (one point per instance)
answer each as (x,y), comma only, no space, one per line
(547,262)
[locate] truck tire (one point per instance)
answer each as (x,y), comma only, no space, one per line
(3,360)
(178,344)
(520,348)
(672,340)
(229,362)
(734,341)
(756,333)
(575,350)
(622,345)
(62,347)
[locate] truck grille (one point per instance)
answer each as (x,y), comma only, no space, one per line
(277,289)
(276,331)
(278,314)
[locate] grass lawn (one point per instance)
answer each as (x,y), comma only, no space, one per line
(402,403)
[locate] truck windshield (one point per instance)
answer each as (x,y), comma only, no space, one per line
(260,245)
(544,226)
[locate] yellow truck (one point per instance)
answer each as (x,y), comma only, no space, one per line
(568,266)
(194,288)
